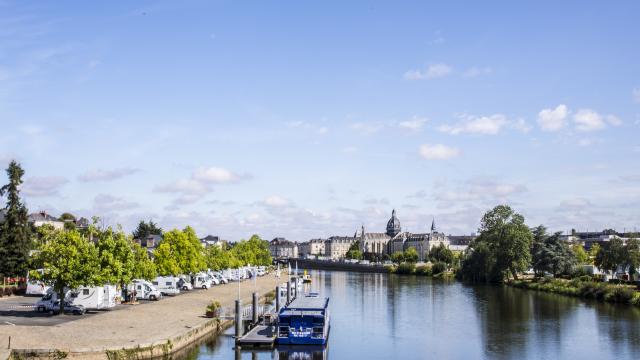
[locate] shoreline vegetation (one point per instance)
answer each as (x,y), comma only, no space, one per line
(583,287)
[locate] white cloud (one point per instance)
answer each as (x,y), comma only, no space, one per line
(613,120)
(215,175)
(104,203)
(483,125)
(275,201)
(349,149)
(437,152)
(106,175)
(200,183)
(588,120)
(413,125)
(521,125)
(553,119)
(43,186)
(432,71)
(367,127)
(321,130)
(477,71)
(636,95)
(475,191)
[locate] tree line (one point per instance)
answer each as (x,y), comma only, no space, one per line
(507,247)
(72,257)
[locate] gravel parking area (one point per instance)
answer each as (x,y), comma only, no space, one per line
(130,325)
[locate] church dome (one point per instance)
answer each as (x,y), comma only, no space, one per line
(393,226)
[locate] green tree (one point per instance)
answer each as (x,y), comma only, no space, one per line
(179,252)
(254,251)
(397,257)
(593,252)
(143,268)
(479,263)
(612,255)
(632,255)
(442,253)
(508,242)
(145,229)
(411,255)
(15,231)
(581,255)
(354,251)
(116,257)
(69,261)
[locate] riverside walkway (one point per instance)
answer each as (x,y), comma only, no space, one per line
(153,328)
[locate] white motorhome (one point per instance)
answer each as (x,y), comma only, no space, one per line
(145,290)
(202,281)
(218,276)
(184,284)
(167,285)
(93,298)
(36,287)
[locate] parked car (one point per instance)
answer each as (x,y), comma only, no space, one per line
(69,308)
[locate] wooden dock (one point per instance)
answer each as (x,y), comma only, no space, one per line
(259,336)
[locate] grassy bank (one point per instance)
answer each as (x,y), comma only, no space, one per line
(437,270)
(583,287)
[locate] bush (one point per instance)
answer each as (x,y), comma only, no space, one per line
(390,269)
(423,270)
(439,267)
(406,268)
(619,294)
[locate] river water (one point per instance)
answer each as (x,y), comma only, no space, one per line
(380,316)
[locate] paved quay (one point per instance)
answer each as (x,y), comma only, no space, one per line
(179,320)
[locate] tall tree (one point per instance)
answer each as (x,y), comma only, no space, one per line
(15,232)
(69,261)
(145,229)
(411,255)
(508,244)
(611,255)
(442,253)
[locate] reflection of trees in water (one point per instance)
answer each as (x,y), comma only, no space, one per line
(620,324)
(504,318)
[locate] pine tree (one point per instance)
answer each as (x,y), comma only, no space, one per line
(15,233)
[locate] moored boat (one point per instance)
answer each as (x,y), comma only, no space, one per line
(304,322)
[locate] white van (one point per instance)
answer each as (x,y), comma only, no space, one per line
(167,285)
(145,290)
(202,281)
(36,287)
(93,298)
(219,277)
(184,284)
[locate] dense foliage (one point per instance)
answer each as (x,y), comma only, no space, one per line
(145,229)
(354,251)
(502,248)
(550,254)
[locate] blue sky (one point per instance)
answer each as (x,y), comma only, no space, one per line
(308,119)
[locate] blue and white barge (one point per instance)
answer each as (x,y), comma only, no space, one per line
(305,321)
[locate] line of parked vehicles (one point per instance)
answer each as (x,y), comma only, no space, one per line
(78,301)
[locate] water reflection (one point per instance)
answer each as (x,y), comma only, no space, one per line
(379,316)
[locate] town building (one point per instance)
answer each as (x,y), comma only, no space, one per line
(283,248)
(211,240)
(149,242)
(395,240)
(336,247)
(460,242)
(42,218)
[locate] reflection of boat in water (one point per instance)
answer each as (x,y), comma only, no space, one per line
(302,352)
(305,321)
(306,278)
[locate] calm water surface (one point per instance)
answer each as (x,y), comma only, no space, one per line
(380,316)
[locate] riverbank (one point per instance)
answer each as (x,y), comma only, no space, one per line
(582,288)
(140,331)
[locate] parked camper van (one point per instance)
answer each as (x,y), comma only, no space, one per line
(219,277)
(36,287)
(184,284)
(93,298)
(202,281)
(167,285)
(145,290)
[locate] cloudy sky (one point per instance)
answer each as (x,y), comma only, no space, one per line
(309,118)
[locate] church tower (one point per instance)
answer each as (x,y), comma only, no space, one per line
(393,226)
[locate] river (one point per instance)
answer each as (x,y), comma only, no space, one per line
(380,316)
